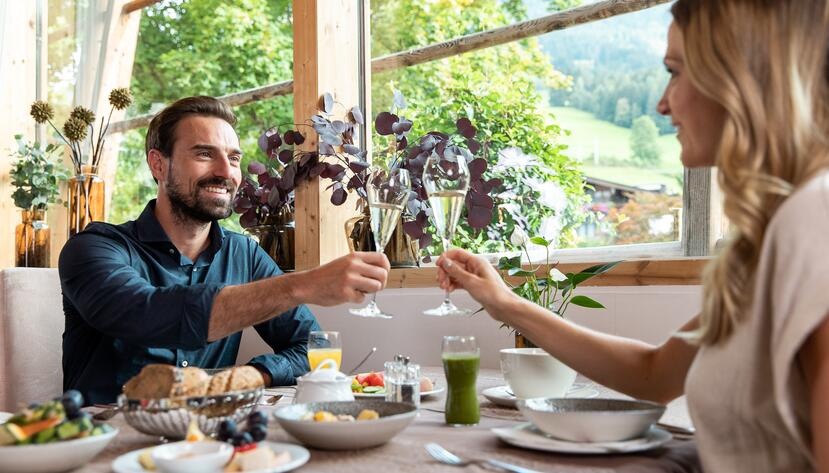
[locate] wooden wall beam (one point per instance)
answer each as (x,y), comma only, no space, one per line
(326,59)
(659,272)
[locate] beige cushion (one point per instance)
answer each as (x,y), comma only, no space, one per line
(31,329)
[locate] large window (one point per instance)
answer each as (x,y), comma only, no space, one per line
(568,118)
(204,47)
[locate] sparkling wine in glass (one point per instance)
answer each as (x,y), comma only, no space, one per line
(388,193)
(446,183)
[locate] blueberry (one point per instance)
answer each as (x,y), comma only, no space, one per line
(227,429)
(257,418)
(258,432)
(247,438)
(239,439)
(72,401)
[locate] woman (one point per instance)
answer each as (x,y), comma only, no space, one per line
(748,93)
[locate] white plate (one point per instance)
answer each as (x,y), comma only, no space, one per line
(437,390)
(128,462)
(527,436)
(53,457)
(4,416)
(502,396)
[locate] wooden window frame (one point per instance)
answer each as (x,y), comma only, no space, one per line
(670,267)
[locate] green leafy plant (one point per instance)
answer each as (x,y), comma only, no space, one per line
(36,175)
(544,284)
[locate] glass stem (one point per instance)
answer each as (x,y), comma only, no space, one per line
(446,299)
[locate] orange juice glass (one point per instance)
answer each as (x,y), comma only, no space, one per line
(323,345)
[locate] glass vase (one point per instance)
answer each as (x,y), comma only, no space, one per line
(276,237)
(86,199)
(31,240)
(401,250)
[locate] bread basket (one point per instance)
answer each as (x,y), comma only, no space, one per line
(170,417)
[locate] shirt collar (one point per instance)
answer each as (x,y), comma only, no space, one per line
(149,230)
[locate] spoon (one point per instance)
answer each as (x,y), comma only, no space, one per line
(371,352)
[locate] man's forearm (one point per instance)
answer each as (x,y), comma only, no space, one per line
(237,307)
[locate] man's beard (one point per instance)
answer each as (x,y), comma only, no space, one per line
(196,208)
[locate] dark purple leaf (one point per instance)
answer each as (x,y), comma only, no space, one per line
(274,197)
(357,115)
(339,195)
(327,103)
(413,229)
(477,167)
(335,170)
(473,146)
(402,143)
(491,184)
(288,178)
(401,127)
(274,141)
(263,142)
(425,241)
(427,142)
(355,182)
(384,122)
(249,218)
(479,217)
(480,200)
(256,167)
(305,158)
(338,126)
(358,166)
(319,120)
(299,138)
(289,137)
(317,169)
(427,258)
(351,149)
(286,155)
(439,135)
(242,204)
(465,128)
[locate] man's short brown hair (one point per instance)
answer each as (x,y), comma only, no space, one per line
(161,134)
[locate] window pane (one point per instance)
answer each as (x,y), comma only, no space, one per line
(568,170)
(205,47)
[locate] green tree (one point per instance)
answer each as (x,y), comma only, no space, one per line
(496,88)
(643,141)
(209,47)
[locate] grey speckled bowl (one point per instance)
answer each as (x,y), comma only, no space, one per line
(344,435)
(591,420)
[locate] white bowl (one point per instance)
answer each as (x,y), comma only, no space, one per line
(53,457)
(189,457)
(394,417)
(532,372)
(591,420)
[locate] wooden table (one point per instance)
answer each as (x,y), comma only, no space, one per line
(405,452)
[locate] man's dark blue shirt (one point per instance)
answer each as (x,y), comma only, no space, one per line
(131,299)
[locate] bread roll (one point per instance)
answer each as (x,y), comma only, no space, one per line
(243,378)
(158,381)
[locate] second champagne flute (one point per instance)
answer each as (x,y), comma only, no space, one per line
(446,182)
(388,193)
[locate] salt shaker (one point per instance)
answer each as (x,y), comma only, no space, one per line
(402,380)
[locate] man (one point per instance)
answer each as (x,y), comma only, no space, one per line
(174,287)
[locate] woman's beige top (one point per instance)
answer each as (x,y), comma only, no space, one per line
(748,396)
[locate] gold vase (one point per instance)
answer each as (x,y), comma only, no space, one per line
(31,240)
(276,237)
(401,250)
(86,199)
(523,342)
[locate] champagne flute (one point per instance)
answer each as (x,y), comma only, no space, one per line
(446,181)
(388,193)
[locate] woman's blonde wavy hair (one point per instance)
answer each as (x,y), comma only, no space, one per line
(764,62)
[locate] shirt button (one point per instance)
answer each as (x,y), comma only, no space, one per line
(195,269)
(184,364)
(172,251)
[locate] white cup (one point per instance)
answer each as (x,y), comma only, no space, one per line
(532,372)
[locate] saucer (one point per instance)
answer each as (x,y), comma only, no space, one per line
(527,436)
(502,396)
(128,462)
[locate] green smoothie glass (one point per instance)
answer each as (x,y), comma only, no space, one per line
(461,358)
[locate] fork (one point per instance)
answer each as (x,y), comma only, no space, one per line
(445,456)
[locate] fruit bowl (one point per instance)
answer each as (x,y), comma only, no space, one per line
(170,417)
(53,457)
